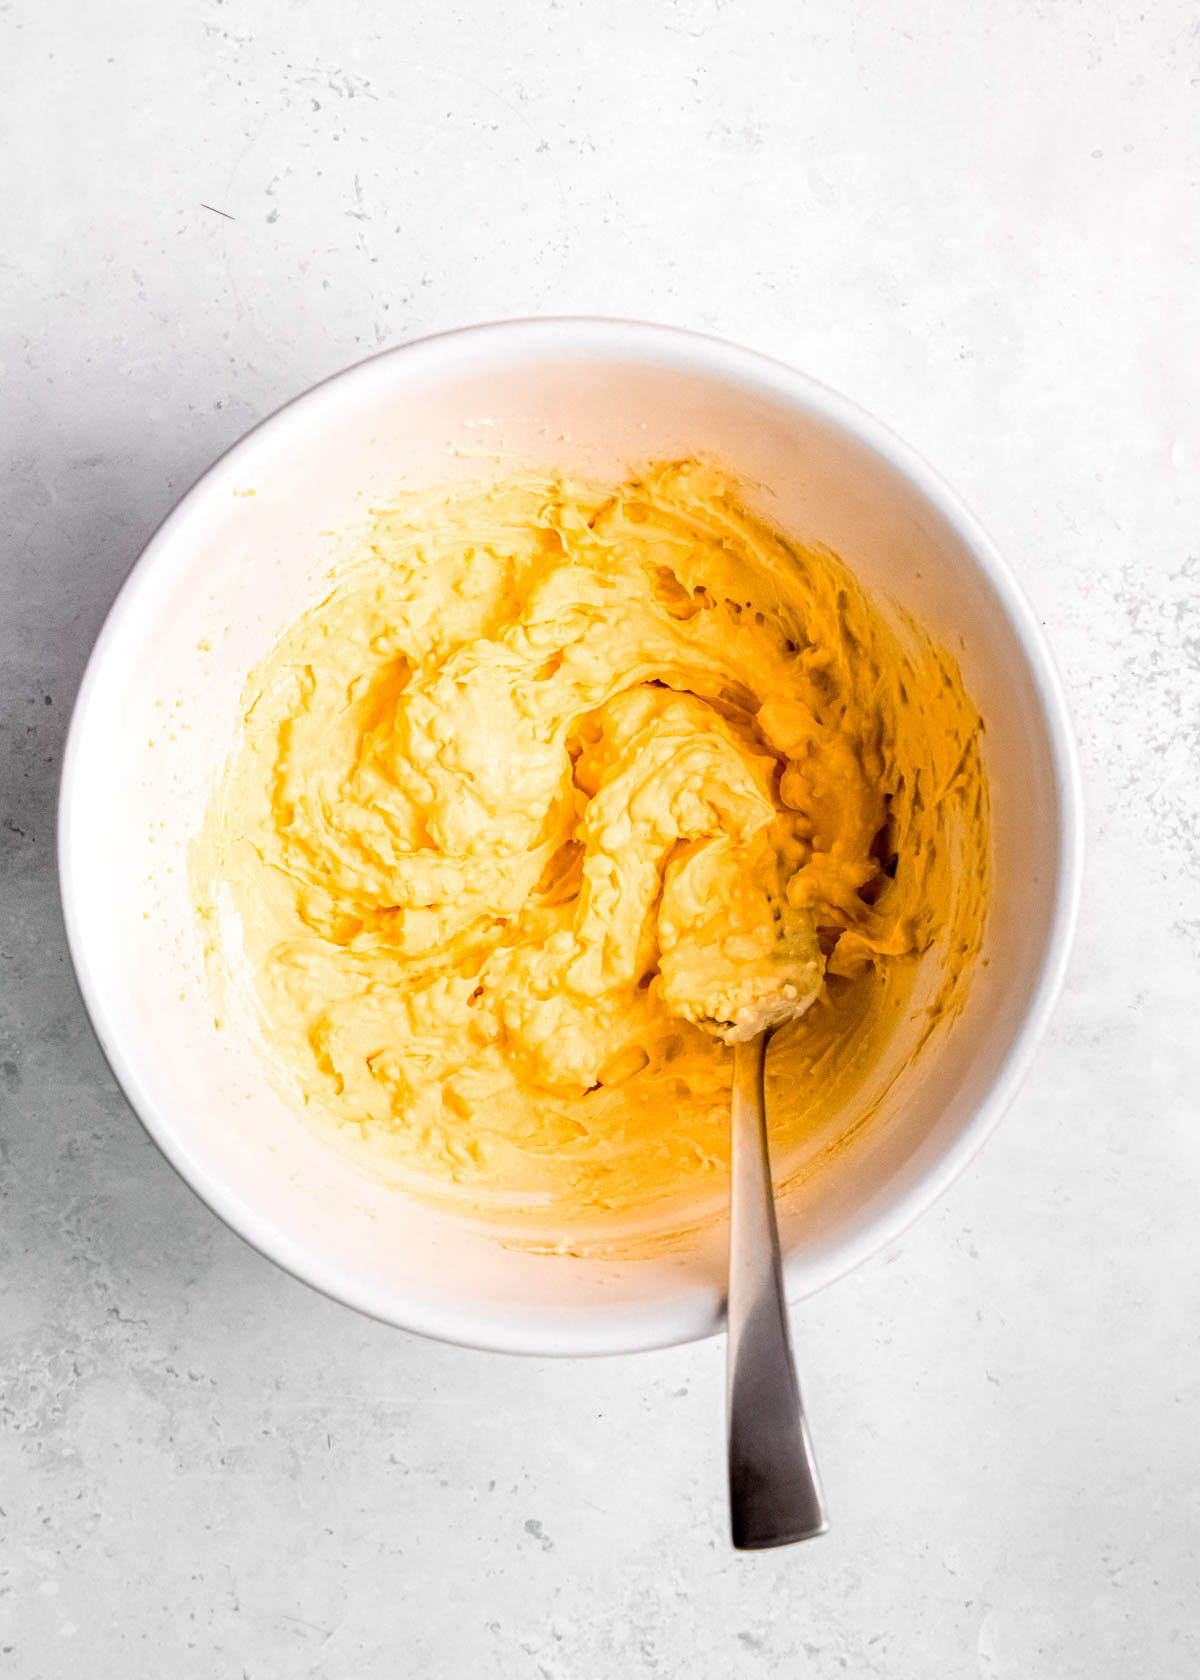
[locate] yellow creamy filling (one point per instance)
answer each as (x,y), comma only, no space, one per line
(558,787)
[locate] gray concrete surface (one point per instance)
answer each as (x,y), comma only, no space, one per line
(982,223)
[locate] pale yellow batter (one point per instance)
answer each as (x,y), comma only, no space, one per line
(560,786)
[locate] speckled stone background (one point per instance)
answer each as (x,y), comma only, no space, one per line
(982,222)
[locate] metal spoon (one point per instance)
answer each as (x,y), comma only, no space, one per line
(774,1490)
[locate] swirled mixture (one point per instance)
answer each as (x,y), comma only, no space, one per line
(560,790)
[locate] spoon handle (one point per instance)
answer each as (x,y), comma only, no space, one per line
(774,1490)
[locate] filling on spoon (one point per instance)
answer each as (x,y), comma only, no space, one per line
(735,956)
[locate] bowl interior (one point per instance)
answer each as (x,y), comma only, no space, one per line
(247,550)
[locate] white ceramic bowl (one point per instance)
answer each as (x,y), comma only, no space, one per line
(243,553)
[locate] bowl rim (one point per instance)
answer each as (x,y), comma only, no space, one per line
(640,1328)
